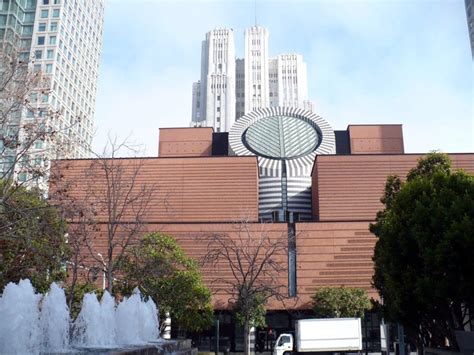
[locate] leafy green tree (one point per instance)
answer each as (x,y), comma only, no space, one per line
(161,270)
(340,302)
(32,240)
(423,256)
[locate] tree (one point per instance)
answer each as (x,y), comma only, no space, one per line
(30,130)
(161,270)
(32,240)
(340,302)
(30,136)
(423,255)
(256,262)
(81,225)
(115,203)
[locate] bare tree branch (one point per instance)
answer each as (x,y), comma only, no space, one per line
(257,264)
(118,202)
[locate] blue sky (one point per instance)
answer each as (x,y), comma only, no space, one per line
(377,61)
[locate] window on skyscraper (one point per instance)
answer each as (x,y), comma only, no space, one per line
(44,13)
(56,13)
(25,43)
(52,40)
(53,26)
(40,40)
(27,30)
(49,70)
(50,54)
(29,17)
(42,26)
(38,54)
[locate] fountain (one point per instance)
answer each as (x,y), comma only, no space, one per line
(95,325)
(31,323)
(54,320)
(19,319)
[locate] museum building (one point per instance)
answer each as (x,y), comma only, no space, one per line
(285,172)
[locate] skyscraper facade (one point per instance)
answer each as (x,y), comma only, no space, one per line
(289,82)
(63,40)
(217,92)
(470,22)
(239,88)
(256,68)
(16,24)
(259,81)
(196,104)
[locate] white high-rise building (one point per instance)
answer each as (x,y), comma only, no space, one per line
(256,68)
(196,104)
(217,92)
(291,82)
(67,42)
(259,82)
(273,82)
(64,38)
(239,88)
(469,4)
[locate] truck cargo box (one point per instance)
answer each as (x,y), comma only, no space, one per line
(331,334)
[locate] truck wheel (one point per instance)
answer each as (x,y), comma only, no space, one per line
(288,353)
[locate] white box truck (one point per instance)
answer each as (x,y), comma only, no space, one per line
(321,335)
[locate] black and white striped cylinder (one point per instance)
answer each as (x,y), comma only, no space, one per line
(286,141)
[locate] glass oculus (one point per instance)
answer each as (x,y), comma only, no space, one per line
(281,137)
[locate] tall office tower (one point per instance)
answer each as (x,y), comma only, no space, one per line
(16,31)
(289,82)
(470,22)
(16,25)
(218,80)
(259,82)
(273,82)
(239,88)
(64,38)
(256,68)
(196,104)
(292,81)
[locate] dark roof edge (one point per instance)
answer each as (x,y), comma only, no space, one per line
(185,128)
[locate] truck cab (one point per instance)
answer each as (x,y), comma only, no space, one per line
(284,344)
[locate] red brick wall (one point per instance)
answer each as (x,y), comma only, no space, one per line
(185,142)
(213,189)
(349,187)
(376,139)
(333,254)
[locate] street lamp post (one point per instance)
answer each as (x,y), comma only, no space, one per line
(103,270)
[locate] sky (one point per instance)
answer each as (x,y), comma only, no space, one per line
(369,62)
